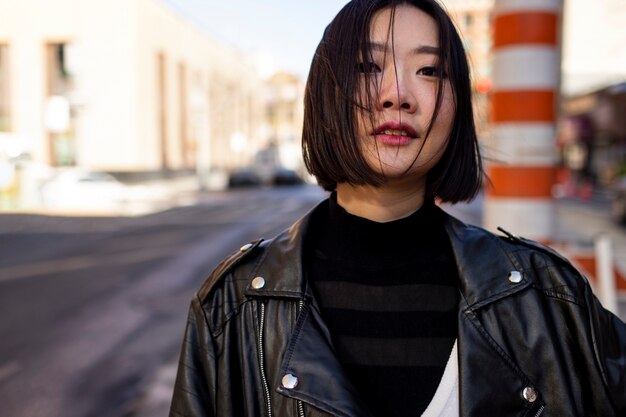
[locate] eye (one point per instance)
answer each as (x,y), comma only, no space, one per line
(368,67)
(431,72)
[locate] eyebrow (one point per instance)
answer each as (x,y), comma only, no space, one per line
(422,49)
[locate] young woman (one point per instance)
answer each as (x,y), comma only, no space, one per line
(378,303)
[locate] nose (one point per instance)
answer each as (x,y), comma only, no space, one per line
(396,94)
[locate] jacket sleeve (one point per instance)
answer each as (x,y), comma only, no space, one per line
(195,388)
(609,338)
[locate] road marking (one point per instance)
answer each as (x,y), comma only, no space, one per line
(77,263)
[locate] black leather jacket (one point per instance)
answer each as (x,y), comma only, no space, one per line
(537,343)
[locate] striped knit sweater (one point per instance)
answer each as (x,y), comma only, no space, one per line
(389,294)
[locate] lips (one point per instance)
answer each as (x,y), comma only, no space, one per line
(395,133)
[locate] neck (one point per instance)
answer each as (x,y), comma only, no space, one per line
(379,204)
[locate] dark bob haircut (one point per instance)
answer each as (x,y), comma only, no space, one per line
(329,139)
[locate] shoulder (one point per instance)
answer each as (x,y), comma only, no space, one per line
(240,259)
(223,293)
(259,256)
(230,286)
(542,266)
(553,273)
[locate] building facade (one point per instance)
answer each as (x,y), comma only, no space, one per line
(284,117)
(124,86)
(593,45)
(473,19)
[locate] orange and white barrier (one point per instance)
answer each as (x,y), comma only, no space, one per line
(523,112)
(607,277)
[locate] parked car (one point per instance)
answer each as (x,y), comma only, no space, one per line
(284,176)
(244,177)
(85,190)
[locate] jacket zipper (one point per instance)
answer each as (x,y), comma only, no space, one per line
(540,411)
(266,389)
(300,405)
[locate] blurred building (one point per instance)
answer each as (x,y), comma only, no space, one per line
(284,118)
(594,35)
(592,130)
(473,19)
(593,135)
(125,86)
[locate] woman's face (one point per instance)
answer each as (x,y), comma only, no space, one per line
(402,76)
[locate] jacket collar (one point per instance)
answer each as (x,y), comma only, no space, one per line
(483,260)
(281,263)
(488,269)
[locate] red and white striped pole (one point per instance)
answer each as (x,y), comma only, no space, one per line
(523,111)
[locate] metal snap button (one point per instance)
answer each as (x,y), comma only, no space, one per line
(529,394)
(289,381)
(258,283)
(515,277)
(246,247)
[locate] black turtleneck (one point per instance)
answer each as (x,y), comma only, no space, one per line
(389,294)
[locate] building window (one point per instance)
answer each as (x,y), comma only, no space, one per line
(185,146)
(5,113)
(161,77)
(60,77)
(59,114)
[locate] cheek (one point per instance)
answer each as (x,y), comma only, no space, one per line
(447,113)
(443,125)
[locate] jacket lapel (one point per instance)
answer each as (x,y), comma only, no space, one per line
(310,356)
(489,381)
(312,360)
(484,265)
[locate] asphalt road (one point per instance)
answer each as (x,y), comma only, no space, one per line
(91,308)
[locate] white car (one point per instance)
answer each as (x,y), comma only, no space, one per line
(77,190)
